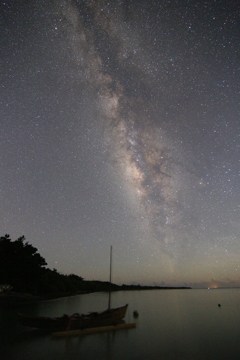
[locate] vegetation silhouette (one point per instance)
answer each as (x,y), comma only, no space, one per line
(22,267)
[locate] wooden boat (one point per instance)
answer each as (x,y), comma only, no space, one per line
(75,321)
(78,321)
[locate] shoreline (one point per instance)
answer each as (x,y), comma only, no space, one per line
(14,298)
(11,298)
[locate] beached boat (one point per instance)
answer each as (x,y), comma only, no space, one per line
(75,321)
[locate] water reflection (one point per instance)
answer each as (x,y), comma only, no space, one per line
(174,324)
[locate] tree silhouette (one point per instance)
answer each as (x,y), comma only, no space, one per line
(20,263)
(22,267)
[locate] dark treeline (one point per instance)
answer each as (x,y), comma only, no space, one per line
(22,267)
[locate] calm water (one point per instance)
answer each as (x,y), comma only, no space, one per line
(172,324)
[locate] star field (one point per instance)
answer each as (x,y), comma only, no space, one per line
(120,125)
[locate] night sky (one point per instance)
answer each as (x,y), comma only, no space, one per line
(120,126)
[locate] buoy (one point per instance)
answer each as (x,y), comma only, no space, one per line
(135,314)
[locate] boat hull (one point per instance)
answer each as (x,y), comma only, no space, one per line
(74,322)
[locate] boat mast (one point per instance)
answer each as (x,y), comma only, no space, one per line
(110,280)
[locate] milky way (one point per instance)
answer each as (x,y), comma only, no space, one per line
(147,158)
(120,125)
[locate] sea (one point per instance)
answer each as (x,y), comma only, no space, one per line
(171,324)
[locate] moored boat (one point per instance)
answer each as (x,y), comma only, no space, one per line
(75,321)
